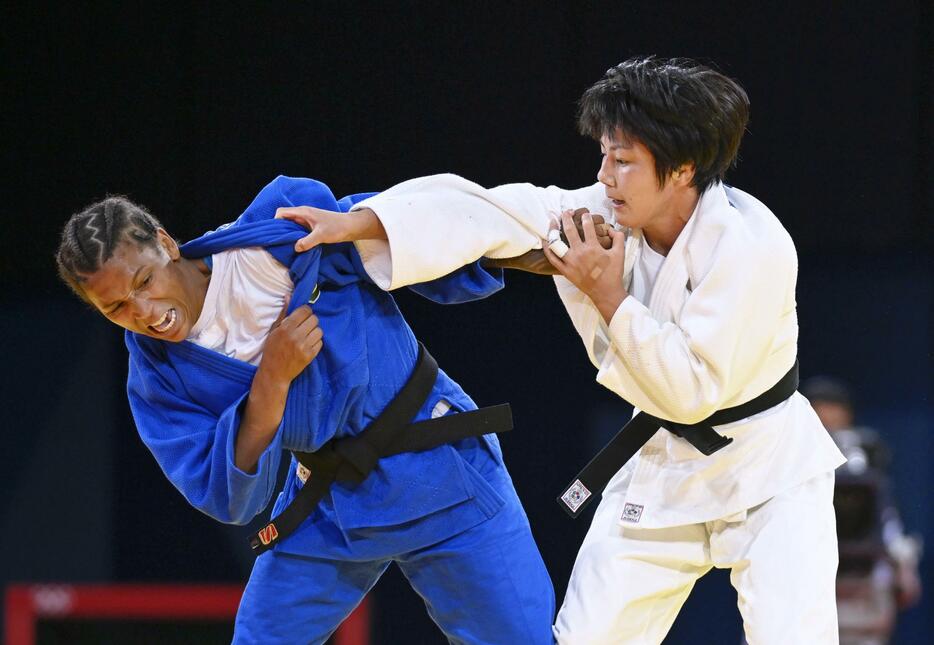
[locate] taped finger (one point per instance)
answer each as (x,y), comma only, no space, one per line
(559,248)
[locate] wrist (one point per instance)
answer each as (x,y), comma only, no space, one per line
(608,303)
(267,386)
(365,225)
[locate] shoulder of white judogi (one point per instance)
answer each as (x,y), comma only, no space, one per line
(439,223)
(733,226)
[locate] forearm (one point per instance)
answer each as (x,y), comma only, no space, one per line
(363,224)
(261,418)
(533,261)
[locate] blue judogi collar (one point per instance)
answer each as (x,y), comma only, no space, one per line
(331,265)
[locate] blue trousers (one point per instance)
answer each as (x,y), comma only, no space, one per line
(487,585)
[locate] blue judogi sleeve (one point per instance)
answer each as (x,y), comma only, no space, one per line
(471,282)
(193,443)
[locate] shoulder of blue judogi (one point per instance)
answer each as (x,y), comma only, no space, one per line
(286,191)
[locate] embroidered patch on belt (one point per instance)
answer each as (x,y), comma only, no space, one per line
(576,495)
(302,473)
(632,512)
(268,533)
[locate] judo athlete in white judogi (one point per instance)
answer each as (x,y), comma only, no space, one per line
(691,311)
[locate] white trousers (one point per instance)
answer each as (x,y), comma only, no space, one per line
(628,584)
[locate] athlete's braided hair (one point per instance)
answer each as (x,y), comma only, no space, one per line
(91,236)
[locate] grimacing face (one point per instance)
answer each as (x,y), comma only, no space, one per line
(150,290)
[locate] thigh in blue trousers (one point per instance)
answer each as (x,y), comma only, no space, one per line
(485,586)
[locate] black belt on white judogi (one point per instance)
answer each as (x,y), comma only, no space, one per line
(627,442)
(351,459)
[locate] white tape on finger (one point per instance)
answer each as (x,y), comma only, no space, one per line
(559,248)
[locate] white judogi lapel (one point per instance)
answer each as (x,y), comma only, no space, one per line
(673,283)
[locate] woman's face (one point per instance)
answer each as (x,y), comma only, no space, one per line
(150,290)
(627,171)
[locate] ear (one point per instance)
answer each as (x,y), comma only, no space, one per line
(168,244)
(684,175)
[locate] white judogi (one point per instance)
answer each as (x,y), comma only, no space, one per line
(718,329)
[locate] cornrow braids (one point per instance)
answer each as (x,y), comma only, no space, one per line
(90,237)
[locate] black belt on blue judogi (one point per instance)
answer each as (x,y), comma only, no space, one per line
(627,442)
(351,459)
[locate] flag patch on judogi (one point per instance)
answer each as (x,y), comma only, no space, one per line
(632,512)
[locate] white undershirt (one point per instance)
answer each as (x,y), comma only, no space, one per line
(246,294)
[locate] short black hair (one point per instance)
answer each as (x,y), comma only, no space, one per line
(90,237)
(682,111)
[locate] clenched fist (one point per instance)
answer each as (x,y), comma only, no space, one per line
(292,344)
(599,225)
(534,261)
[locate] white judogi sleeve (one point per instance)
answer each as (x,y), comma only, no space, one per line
(719,328)
(439,223)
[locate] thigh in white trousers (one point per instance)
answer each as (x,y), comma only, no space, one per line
(628,584)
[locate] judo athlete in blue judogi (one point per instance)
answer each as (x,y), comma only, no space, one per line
(230,365)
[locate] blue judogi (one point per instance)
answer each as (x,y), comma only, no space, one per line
(449,516)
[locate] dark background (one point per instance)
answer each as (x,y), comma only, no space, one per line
(191,111)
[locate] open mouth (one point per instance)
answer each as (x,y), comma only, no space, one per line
(165,323)
(618,202)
